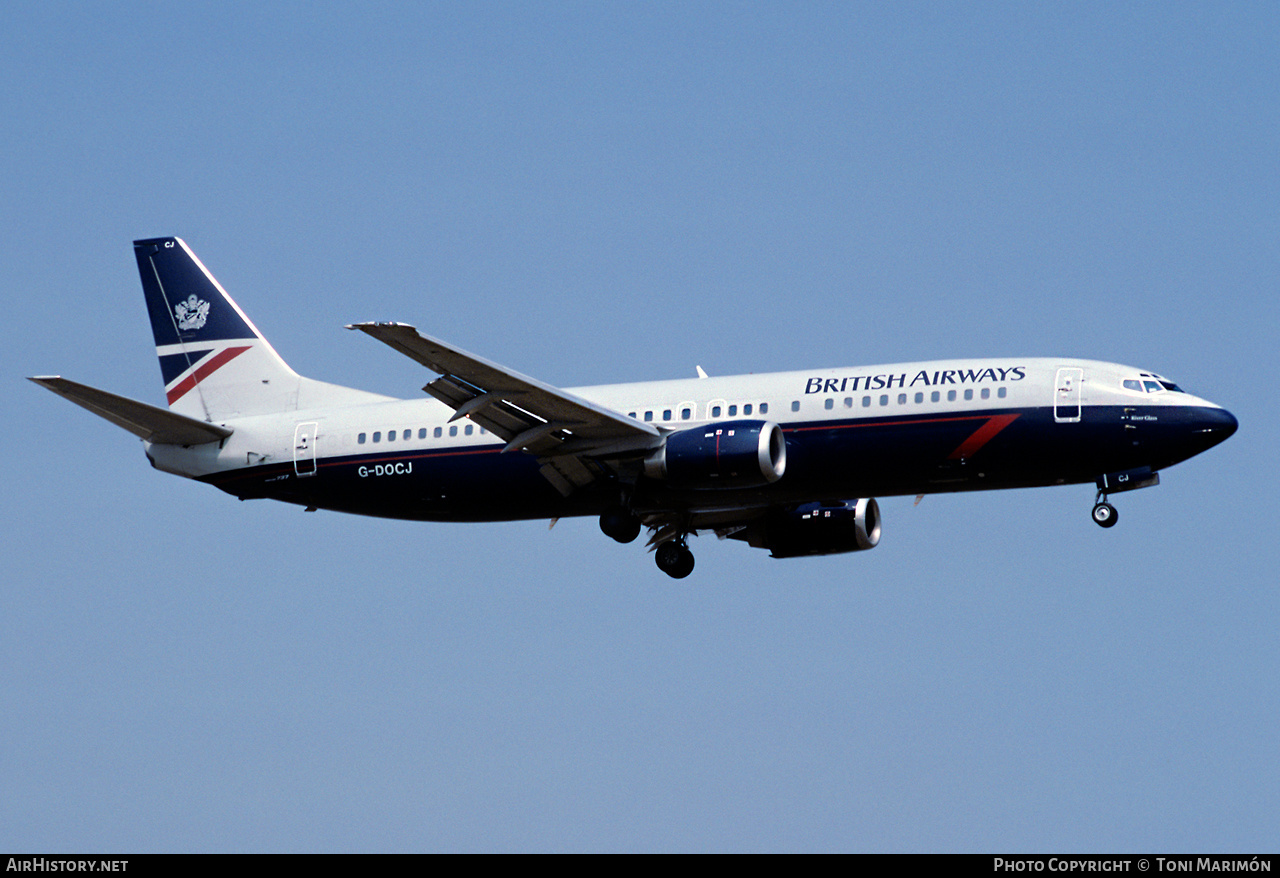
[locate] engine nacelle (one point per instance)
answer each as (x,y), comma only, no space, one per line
(724,454)
(821,529)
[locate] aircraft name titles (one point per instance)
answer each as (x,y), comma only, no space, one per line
(941,376)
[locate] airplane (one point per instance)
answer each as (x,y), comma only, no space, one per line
(789,462)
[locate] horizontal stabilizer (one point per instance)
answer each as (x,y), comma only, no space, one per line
(147,422)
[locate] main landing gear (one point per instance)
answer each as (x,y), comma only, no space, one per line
(674,558)
(620,523)
(673,555)
(1104,514)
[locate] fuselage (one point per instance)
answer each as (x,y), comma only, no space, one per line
(790,462)
(907,428)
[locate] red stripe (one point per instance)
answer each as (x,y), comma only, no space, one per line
(203,371)
(981,437)
(874,423)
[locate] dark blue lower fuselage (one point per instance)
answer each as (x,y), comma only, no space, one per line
(828,459)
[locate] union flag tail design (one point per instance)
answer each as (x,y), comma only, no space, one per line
(215,363)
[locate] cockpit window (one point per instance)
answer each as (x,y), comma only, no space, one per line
(1150,384)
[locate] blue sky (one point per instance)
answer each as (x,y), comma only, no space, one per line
(593,193)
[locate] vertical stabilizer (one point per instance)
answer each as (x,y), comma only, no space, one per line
(215,363)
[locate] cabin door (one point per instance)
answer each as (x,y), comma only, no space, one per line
(304,449)
(1066,395)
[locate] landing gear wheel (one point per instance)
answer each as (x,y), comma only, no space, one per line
(1105,515)
(674,559)
(620,523)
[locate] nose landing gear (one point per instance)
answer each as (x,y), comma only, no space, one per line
(1104,514)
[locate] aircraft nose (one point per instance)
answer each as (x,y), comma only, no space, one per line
(1221,420)
(1215,424)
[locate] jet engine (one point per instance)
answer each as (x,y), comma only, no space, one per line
(724,454)
(819,529)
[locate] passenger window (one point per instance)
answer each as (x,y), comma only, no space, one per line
(648,416)
(437,432)
(391,435)
(884,399)
(919,397)
(866,402)
(968,394)
(453,431)
(795,405)
(746,409)
(1002,392)
(666,414)
(935,396)
(733,411)
(986,393)
(377,436)
(422,433)
(902,399)
(829,404)
(408,434)
(715,411)
(951,396)
(764,408)
(631,414)
(686,414)
(467,429)
(360,438)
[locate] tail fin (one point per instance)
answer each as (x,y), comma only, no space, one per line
(215,363)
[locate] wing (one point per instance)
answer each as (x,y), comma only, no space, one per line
(573,437)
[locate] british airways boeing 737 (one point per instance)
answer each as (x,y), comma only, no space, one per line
(787,462)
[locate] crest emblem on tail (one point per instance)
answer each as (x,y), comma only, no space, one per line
(192,313)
